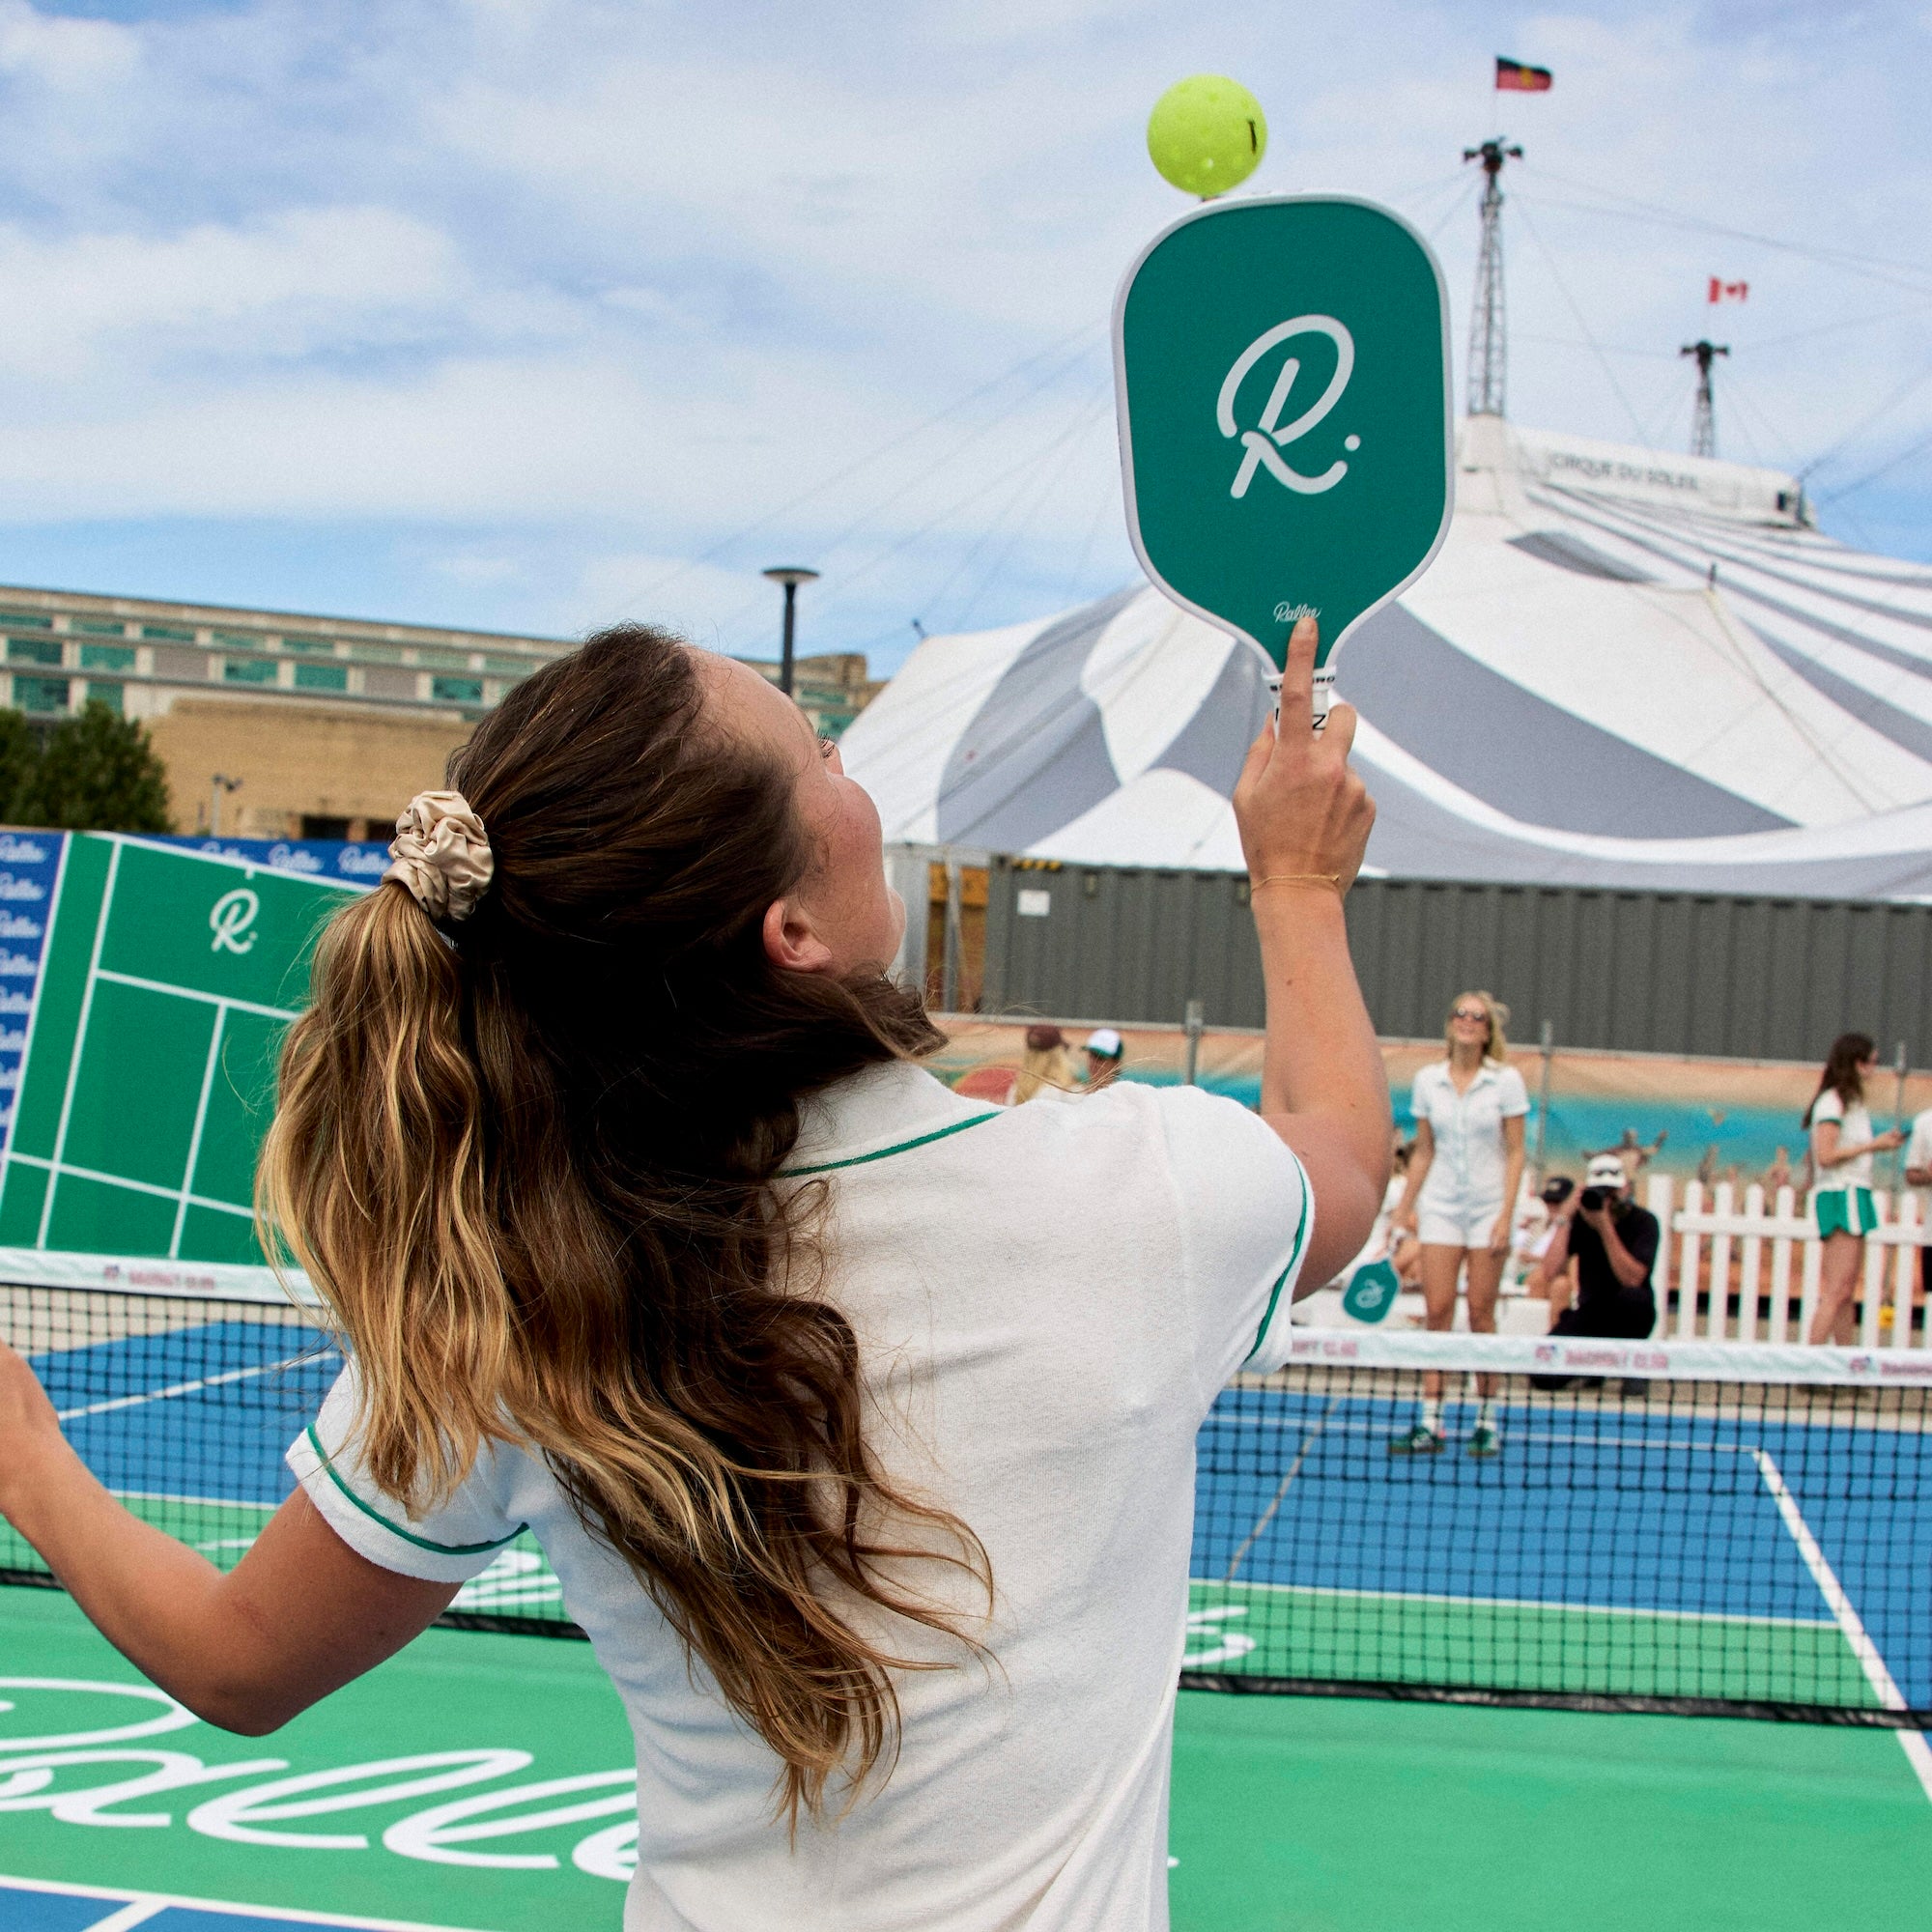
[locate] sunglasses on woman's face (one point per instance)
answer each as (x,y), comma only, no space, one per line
(1470,1013)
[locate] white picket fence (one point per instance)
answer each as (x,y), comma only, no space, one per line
(1731,1271)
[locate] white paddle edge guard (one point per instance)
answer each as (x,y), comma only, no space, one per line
(1325,671)
(126,1274)
(1587,1355)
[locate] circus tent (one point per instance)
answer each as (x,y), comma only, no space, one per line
(1623,669)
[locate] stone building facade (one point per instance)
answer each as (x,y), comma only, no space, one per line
(274,726)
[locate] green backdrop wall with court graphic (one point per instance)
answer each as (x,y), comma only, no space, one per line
(166,982)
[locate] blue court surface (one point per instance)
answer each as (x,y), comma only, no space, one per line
(26,1906)
(1754,1543)
(1761,1545)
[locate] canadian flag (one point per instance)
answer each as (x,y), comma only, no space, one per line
(1723,291)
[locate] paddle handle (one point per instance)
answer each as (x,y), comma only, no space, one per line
(1321,697)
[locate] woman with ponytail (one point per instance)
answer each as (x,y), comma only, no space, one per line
(868,1470)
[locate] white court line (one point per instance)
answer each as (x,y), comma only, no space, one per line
(138,1913)
(79,1034)
(259,1913)
(126,1181)
(200,1122)
(1517,1604)
(184,1388)
(168,986)
(1917,1753)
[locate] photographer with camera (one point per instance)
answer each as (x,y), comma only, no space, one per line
(1601,1253)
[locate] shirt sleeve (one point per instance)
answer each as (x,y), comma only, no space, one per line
(1246,1215)
(1918,1151)
(1639,1233)
(449,1544)
(1827,1107)
(1515,1096)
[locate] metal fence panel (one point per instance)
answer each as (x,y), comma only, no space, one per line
(1635,972)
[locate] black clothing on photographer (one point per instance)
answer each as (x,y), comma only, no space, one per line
(1603,1305)
(1605,1308)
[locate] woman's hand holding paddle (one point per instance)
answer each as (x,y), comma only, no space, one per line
(1304,819)
(1304,815)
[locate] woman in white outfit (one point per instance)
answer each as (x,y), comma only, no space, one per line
(1462,1179)
(868,1470)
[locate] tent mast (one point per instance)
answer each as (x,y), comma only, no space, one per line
(1704,422)
(1488,347)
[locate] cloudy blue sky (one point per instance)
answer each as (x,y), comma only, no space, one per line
(530,313)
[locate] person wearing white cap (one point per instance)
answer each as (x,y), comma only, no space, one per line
(1104,1052)
(1601,1253)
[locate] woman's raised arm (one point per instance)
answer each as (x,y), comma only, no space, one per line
(1304,817)
(299,1616)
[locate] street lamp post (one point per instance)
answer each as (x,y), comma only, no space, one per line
(221,784)
(791,575)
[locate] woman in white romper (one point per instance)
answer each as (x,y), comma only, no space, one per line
(1842,1146)
(1462,1179)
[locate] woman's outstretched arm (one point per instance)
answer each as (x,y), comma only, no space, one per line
(299,1616)
(1304,817)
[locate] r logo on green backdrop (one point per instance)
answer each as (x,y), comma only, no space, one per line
(1282,372)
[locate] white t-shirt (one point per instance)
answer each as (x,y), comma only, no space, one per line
(1467,1129)
(1041,1372)
(1919,1153)
(1854,1126)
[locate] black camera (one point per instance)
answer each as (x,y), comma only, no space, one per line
(1593,1198)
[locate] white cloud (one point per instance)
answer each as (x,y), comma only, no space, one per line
(296,281)
(600,284)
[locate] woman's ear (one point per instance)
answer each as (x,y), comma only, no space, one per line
(791,942)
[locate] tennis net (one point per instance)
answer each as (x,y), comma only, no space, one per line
(1694,1527)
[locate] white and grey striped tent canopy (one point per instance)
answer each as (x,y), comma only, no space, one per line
(1623,669)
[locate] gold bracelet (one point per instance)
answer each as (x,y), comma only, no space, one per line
(1332,880)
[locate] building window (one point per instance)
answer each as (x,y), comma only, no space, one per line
(28,620)
(321,645)
(322,677)
(317,825)
(249,671)
(456,690)
(108,695)
(96,627)
(444,660)
(107,657)
(510,667)
(40,694)
(175,634)
(33,652)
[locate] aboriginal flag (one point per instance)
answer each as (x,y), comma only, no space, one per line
(1512,76)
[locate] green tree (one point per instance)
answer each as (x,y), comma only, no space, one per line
(19,753)
(96,773)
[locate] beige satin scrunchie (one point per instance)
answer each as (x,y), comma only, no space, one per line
(442,853)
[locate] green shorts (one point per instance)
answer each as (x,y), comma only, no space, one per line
(1844,1211)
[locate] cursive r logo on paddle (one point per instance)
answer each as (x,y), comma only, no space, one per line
(1259,445)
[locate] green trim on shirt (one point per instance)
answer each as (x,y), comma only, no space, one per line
(903,1146)
(1281,1280)
(396,1529)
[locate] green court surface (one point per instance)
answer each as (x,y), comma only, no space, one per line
(1289,1815)
(1517,1646)
(189,967)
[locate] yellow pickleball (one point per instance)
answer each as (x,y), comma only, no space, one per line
(1207,134)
